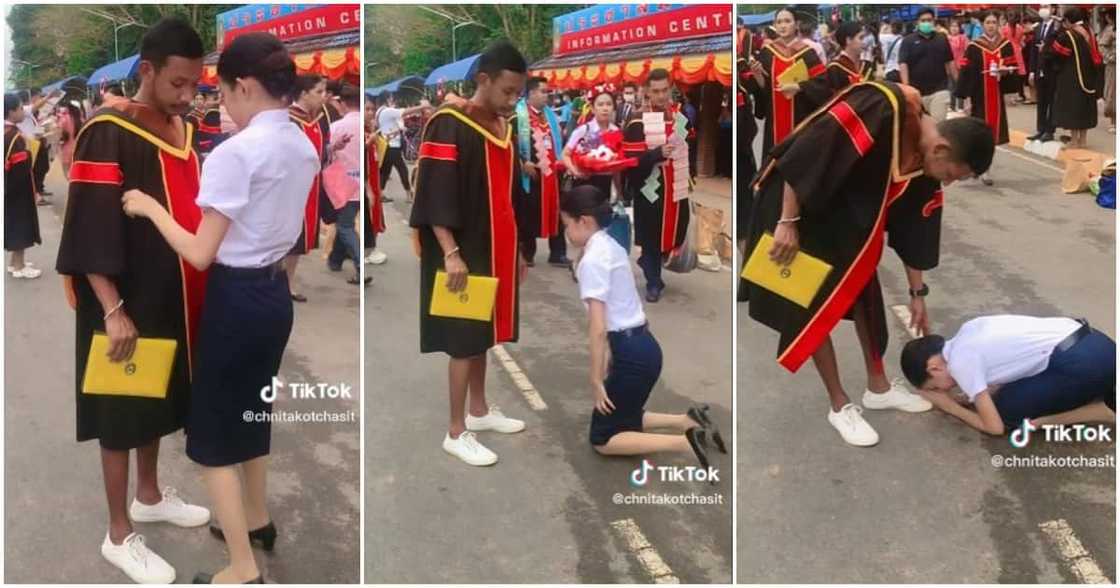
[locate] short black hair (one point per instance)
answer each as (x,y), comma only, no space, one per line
(350,95)
(171,36)
(926,10)
(304,83)
(630,85)
(501,56)
(533,83)
(334,86)
(12,102)
(263,57)
(657,74)
(896,27)
(1074,14)
(114,89)
(847,30)
(971,141)
(34,91)
(587,200)
(915,358)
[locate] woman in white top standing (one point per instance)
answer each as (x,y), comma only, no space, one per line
(621,386)
(587,137)
(252,194)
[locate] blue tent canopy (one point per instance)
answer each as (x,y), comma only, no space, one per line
(115,72)
(453,72)
(414,82)
(71,81)
(757,19)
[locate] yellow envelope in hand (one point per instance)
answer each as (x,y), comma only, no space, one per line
(475,302)
(146,374)
(795,74)
(797,282)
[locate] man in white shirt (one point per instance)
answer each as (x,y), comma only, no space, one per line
(1013,367)
(390,123)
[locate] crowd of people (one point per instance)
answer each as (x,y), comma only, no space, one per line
(859,142)
(187,208)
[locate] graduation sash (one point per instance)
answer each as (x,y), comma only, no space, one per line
(525,135)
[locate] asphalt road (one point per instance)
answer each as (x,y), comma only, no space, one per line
(926,505)
(544,512)
(55,514)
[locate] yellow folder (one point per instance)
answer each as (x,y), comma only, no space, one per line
(795,74)
(146,374)
(797,282)
(475,302)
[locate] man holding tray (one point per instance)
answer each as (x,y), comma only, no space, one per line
(863,172)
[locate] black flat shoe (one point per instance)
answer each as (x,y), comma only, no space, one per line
(701,416)
(653,294)
(299,298)
(204,578)
(562,262)
(264,536)
(697,438)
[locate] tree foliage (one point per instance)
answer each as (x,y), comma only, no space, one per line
(61,40)
(414,40)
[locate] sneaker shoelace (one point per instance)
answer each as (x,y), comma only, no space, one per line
(137,549)
(495,411)
(852,415)
(171,497)
(471,443)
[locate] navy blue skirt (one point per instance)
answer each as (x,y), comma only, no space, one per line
(634,370)
(245,324)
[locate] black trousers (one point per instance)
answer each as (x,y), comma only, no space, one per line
(394,159)
(41,167)
(1044,88)
(557,248)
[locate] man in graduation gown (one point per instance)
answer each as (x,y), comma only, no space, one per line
(309,114)
(659,183)
(536,134)
(125,281)
(862,172)
(464,215)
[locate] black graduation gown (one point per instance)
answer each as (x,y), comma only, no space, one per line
(208,131)
(318,131)
(467,182)
(1078,82)
(538,212)
(745,164)
(783,115)
(21,217)
(664,223)
(985,90)
(839,74)
(162,295)
(867,187)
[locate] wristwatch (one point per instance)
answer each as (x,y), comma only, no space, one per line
(920,293)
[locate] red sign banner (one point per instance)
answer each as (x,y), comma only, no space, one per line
(698,20)
(328,18)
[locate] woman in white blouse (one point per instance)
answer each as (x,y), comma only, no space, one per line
(252,193)
(617,322)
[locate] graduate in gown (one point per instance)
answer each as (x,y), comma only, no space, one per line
(536,134)
(745,165)
(126,281)
(864,172)
(843,70)
(207,120)
(21,219)
(783,104)
(659,184)
(1080,74)
(374,218)
(464,215)
(985,64)
(308,114)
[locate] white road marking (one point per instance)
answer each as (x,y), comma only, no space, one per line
(520,379)
(645,552)
(1031,159)
(903,313)
(1078,558)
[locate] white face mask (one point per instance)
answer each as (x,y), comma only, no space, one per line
(1044,13)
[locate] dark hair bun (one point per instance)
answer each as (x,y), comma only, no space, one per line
(263,57)
(587,200)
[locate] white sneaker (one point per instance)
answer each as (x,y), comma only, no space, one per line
(26,273)
(468,449)
(851,426)
(377,257)
(171,509)
(898,397)
(12,268)
(494,421)
(137,561)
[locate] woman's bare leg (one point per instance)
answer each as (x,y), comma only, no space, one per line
(1096,412)
(674,422)
(636,443)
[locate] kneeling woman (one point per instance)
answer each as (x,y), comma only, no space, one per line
(622,385)
(253,190)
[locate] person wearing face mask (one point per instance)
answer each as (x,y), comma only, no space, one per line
(926,62)
(872,153)
(629,101)
(1044,72)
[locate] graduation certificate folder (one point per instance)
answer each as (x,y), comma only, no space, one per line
(475,302)
(797,282)
(795,74)
(146,374)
